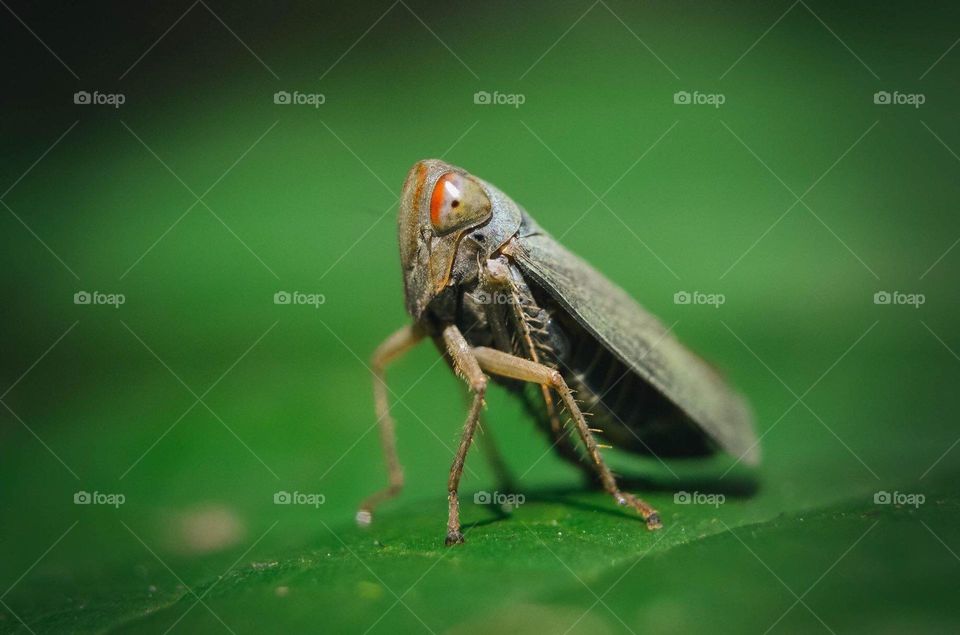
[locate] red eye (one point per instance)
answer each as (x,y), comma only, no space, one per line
(445,198)
(457,201)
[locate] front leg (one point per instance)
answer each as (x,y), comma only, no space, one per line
(506,365)
(466,366)
(391,349)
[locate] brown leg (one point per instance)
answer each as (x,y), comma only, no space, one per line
(500,363)
(466,367)
(392,348)
(564,445)
(495,278)
(498,466)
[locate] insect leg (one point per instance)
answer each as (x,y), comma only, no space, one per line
(498,278)
(494,457)
(390,349)
(467,367)
(500,363)
(564,445)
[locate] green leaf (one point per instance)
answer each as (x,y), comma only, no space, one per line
(569,560)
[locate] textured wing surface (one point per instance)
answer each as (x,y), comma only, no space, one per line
(639,340)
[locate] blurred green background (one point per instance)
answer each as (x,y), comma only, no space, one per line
(199,198)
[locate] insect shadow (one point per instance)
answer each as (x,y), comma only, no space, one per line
(735,486)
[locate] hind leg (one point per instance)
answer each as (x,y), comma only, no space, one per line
(506,365)
(565,446)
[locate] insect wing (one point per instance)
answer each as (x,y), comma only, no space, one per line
(639,340)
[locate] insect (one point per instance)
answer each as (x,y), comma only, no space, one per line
(502,299)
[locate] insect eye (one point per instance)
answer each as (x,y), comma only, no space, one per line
(457,202)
